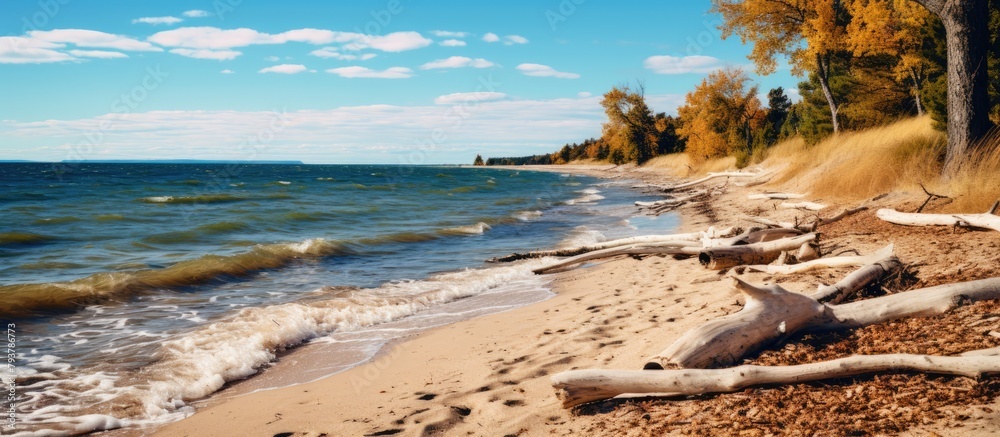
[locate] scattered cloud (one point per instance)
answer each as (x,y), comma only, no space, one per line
(457,62)
(331,52)
(196,13)
(22,50)
(393,42)
(449,34)
(514,39)
(367,56)
(218,55)
(453,43)
(97,54)
(285,69)
(227,71)
(356,72)
(491,37)
(482,96)
(539,70)
(157,20)
(682,65)
(583,94)
(92,38)
(214,38)
(272,59)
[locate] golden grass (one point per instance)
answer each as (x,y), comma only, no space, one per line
(680,164)
(976,185)
(858,165)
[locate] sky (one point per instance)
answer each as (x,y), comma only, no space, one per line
(336,81)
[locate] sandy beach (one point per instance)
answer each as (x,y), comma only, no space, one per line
(491,375)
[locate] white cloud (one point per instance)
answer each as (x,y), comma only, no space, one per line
(195,13)
(514,39)
(449,34)
(272,59)
(331,52)
(21,50)
(285,69)
(367,56)
(97,54)
(583,94)
(157,20)
(453,43)
(218,55)
(682,65)
(393,42)
(92,38)
(457,62)
(482,96)
(389,73)
(539,70)
(227,71)
(491,37)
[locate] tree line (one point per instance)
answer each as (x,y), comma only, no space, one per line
(863,63)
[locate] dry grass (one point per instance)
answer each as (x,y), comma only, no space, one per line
(977,184)
(864,164)
(680,164)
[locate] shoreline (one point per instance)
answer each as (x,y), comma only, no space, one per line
(490,374)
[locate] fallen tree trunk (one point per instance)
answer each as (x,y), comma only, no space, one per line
(758,253)
(723,341)
(693,237)
(638,249)
(711,176)
(857,280)
(811,206)
(577,387)
(673,201)
(987,220)
(775,196)
(836,261)
(842,215)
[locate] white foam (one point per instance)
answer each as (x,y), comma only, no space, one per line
(525,216)
(475,229)
(284,182)
(582,236)
(159,199)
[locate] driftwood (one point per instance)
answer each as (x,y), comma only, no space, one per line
(711,176)
(775,196)
(811,206)
(668,248)
(987,220)
(758,253)
(842,215)
(693,237)
(672,201)
(772,313)
(836,261)
(576,387)
(857,280)
(806,227)
(930,197)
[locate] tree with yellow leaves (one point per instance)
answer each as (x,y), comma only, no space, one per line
(809,32)
(721,117)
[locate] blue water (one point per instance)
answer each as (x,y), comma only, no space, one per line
(141,287)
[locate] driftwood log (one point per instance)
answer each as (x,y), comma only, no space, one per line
(987,220)
(731,174)
(669,248)
(775,196)
(719,258)
(576,387)
(858,280)
(811,206)
(672,201)
(835,261)
(772,313)
(694,237)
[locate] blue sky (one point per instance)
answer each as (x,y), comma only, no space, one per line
(387,81)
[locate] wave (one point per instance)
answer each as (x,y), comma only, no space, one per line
(188,200)
(56,220)
(590,195)
(23,239)
(197,234)
(582,236)
(475,229)
(525,216)
(24,300)
(193,365)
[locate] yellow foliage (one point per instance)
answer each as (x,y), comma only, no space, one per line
(718,115)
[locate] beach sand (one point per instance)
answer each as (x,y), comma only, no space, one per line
(490,375)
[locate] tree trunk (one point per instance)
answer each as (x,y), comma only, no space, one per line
(987,220)
(823,65)
(966,28)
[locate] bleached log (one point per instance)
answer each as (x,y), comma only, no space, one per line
(775,196)
(807,252)
(694,237)
(751,236)
(757,253)
(731,174)
(811,206)
(723,341)
(672,201)
(842,215)
(769,222)
(987,220)
(857,280)
(836,261)
(669,248)
(577,387)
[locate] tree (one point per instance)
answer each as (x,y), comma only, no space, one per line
(899,29)
(667,139)
(966,26)
(778,105)
(479,160)
(779,27)
(630,130)
(721,117)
